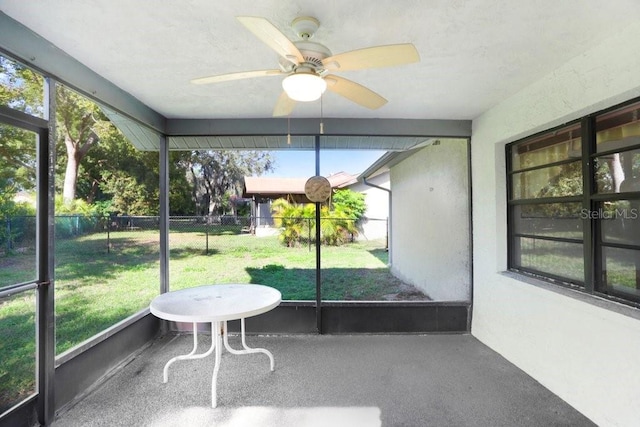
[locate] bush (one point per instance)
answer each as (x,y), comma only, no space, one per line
(297,221)
(17,221)
(75,218)
(293,219)
(336,228)
(350,203)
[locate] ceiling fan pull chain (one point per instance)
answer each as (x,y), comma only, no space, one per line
(321,116)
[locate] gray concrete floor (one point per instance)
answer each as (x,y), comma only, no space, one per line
(355,380)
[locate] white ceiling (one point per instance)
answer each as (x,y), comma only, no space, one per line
(473,54)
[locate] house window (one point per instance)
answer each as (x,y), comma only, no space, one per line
(546,190)
(617,202)
(574,204)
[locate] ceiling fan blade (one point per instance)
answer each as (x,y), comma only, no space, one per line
(373,57)
(284,106)
(354,92)
(272,37)
(235,76)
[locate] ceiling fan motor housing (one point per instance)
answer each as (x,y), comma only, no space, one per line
(313,54)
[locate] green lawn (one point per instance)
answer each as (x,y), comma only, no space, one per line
(356,271)
(99,283)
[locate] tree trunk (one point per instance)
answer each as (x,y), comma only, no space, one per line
(75,154)
(617,174)
(194,191)
(71,173)
(95,185)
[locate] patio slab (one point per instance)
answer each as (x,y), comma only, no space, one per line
(339,380)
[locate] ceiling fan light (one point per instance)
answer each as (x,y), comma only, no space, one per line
(304,87)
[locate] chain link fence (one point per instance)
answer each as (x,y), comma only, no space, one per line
(192,233)
(17,233)
(202,233)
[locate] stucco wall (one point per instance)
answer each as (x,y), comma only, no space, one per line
(430,221)
(585,350)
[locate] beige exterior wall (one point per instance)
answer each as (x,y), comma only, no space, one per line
(430,221)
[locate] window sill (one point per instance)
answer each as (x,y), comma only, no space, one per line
(581,296)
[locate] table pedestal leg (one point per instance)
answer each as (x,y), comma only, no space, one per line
(215,330)
(247,349)
(217,341)
(189,356)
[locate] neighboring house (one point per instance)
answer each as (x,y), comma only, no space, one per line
(376,190)
(264,190)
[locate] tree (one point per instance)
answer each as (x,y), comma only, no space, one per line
(567,182)
(128,196)
(114,171)
(215,174)
(99,162)
(88,144)
(17,159)
(78,120)
(17,172)
(180,200)
(114,164)
(20,89)
(350,203)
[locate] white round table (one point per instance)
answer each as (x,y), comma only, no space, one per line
(215,304)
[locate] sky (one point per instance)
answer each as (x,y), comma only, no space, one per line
(301,164)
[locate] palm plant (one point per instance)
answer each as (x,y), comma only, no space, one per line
(298,221)
(336,227)
(289,217)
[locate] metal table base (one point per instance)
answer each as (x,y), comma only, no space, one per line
(217,341)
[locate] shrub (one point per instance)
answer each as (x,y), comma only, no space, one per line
(293,219)
(350,203)
(298,221)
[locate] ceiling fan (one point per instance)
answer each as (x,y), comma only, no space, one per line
(307,65)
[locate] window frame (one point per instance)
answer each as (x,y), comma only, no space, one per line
(594,281)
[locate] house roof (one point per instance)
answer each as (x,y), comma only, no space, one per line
(392,158)
(272,185)
(261,185)
(341,179)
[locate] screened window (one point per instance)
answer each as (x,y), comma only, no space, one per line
(21,134)
(546,188)
(617,202)
(574,204)
(21,88)
(107,239)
